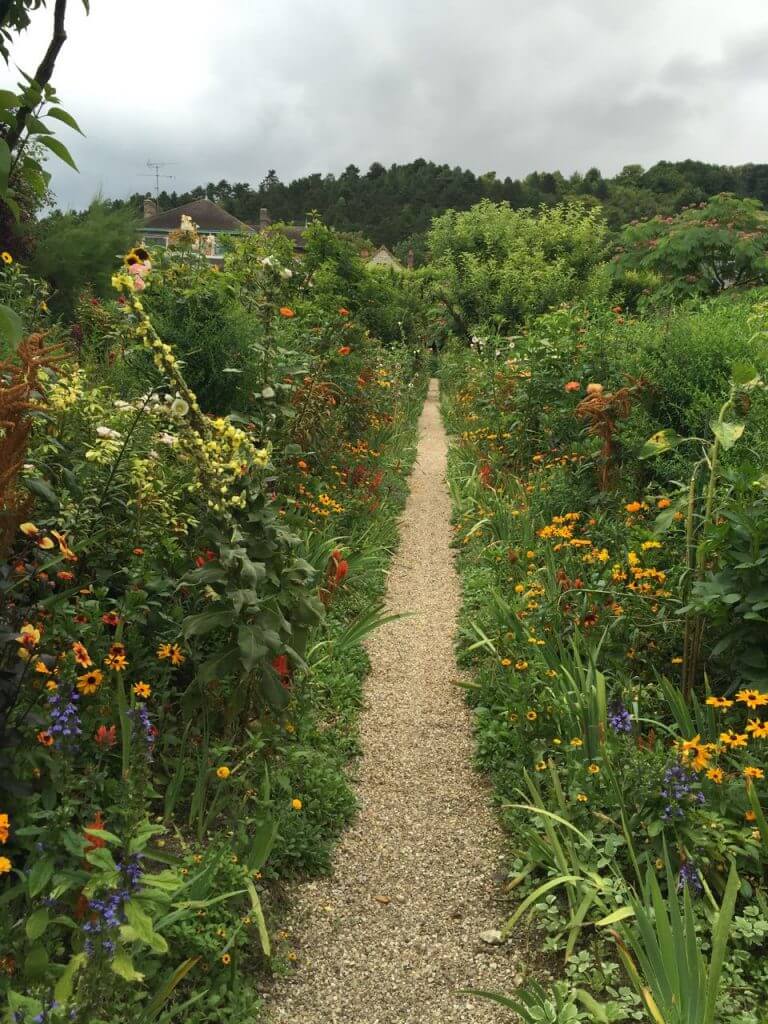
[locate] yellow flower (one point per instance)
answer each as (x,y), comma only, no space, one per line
(582,798)
(5,828)
(530,554)
(648,545)
(519,588)
(753,773)
(164,651)
(506,662)
(521,665)
(177,658)
(752,698)
(5,865)
(716,775)
(223,772)
(718,702)
(117,662)
(296,804)
(734,739)
(90,682)
(142,690)
(557,741)
(758,729)
(6,258)
(577,742)
(541,766)
(29,636)
(551,673)
(531,715)
(226,959)
(593,769)
(635,506)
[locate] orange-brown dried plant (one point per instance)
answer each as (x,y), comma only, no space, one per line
(602,410)
(20,394)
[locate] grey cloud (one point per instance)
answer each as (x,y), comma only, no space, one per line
(488,84)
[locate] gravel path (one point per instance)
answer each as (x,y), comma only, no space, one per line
(394,934)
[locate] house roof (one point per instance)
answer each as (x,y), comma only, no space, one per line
(206,214)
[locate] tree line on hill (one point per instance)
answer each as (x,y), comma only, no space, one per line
(395,206)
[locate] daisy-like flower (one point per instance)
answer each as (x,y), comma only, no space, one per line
(6,258)
(531,715)
(521,665)
(721,703)
(750,772)
(226,959)
(506,662)
(577,742)
(5,828)
(164,651)
(582,798)
(28,636)
(44,738)
(734,739)
(752,698)
(716,775)
(5,866)
(223,772)
(541,766)
(758,729)
(117,662)
(593,769)
(82,657)
(89,683)
(111,619)
(142,690)
(177,657)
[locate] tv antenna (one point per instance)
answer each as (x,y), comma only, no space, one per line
(155,166)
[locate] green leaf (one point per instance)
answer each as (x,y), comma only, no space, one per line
(5,165)
(161,996)
(252,650)
(743,374)
(258,913)
(727,433)
(62,115)
(218,665)
(661,441)
(57,147)
(205,622)
(36,923)
(36,961)
(39,875)
(11,327)
(141,924)
(42,489)
(8,100)
(63,990)
(122,965)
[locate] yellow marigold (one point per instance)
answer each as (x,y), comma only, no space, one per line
(5,828)
(223,772)
(506,662)
(663,503)
(635,506)
(5,866)
(582,798)
(519,588)
(296,804)
(521,665)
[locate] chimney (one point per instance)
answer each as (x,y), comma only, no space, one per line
(150,208)
(264,219)
(409,261)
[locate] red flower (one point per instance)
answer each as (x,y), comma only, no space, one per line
(94,842)
(484,473)
(287,312)
(343,312)
(344,350)
(282,666)
(573,385)
(111,619)
(106,736)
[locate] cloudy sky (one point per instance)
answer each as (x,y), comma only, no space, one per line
(230,88)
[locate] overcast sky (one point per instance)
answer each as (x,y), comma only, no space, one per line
(230,88)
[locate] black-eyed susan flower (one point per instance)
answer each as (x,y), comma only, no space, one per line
(142,690)
(82,657)
(593,769)
(89,683)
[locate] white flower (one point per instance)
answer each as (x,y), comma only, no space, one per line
(166,438)
(113,435)
(268,261)
(267,392)
(286,274)
(179,407)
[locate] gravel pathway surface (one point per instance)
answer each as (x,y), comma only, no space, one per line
(394,934)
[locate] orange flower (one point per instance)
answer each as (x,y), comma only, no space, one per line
(663,503)
(177,658)
(344,350)
(111,619)
(573,385)
(94,842)
(106,736)
(45,738)
(753,773)
(65,576)
(287,312)
(343,312)
(716,775)
(117,662)
(142,690)
(82,657)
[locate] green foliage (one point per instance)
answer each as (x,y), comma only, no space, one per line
(701,251)
(75,251)
(494,267)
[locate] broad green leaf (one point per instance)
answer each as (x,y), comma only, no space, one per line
(58,148)
(8,100)
(727,433)
(63,990)
(142,925)
(36,923)
(11,327)
(205,622)
(252,650)
(36,961)
(661,441)
(743,374)
(122,965)
(39,875)
(42,489)
(62,115)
